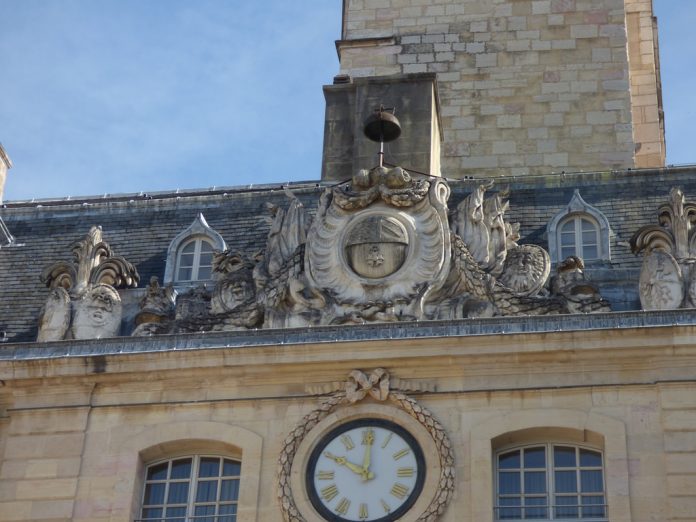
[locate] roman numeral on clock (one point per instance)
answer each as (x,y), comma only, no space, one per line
(405,472)
(343,505)
(325,475)
(402,453)
(347,442)
(363,512)
(329,492)
(399,490)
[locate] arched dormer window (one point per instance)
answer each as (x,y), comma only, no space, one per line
(190,254)
(579,230)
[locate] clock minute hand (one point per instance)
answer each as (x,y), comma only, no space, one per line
(342,461)
(368,439)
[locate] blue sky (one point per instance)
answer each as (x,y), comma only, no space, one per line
(114,96)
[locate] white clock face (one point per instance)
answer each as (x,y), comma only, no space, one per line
(365,470)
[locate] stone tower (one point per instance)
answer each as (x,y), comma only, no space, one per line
(521,87)
(5,165)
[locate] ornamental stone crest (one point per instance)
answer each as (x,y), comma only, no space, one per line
(84,302)
(667,276)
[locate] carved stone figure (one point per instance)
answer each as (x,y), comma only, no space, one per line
(526,269)
(97,314)
(54,321)
(89,283)
(469,223)
(156,309)
(667,277)
(579,294)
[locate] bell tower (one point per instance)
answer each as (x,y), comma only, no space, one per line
(522,87)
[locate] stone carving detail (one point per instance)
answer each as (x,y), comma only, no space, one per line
(381,248)
(667,277)
(156,309)
(357,387)
(84,302)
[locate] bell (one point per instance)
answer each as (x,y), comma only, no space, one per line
(382,126)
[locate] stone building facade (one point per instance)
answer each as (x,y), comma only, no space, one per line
(393,346)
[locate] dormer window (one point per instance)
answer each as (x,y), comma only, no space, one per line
(578,235)
(195,261)
(190,254)
(579,230)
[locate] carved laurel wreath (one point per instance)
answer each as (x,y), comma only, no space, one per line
(357,388)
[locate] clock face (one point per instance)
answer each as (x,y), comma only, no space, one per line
(365,470)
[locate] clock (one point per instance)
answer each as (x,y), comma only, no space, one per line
(369,470)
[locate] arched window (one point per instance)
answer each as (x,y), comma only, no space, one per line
(550,481)
(578,235)
(195,261)
(195,487)
(579,230)
(190,254)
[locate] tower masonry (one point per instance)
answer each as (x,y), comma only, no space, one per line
(525,87)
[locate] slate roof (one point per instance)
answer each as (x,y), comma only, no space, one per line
(140,227)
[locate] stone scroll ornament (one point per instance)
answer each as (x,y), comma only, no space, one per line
(84,302)
(667,276)
(376,385)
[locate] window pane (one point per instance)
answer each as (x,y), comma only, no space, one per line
(509,483)
(564,457)
(571,511)
(590,252)
(509,513)
(204,273)
(181,469)
(568,240)
(178,493)
(231,468)
(176,514)
(206,247)
(509,460)
(535,457)
(587,226)
(152,513)
(158,472)
(535,512)
(154,494)
(207,491)
(567,251)
(189,248)
(597,511)
(206,259)
(228,509)
(184,274)
(591,481)
(589,238)
(590,458)
(204,510)
(229,490)
(535,482)
(566,482)
(210,467)
(568,227)
(186,260)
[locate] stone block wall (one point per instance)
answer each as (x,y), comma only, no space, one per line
(526,86)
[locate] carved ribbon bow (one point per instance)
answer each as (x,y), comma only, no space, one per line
(359,385)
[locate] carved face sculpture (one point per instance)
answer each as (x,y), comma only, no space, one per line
(376,246)
(232,292)
(97,314)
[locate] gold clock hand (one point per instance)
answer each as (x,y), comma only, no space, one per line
(342,461)
(368,439)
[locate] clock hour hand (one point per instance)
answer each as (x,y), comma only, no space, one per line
(342,461)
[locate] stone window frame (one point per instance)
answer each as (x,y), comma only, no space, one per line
(198,230)
(572,426)
(549,469)
(193,480)
(578,208)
